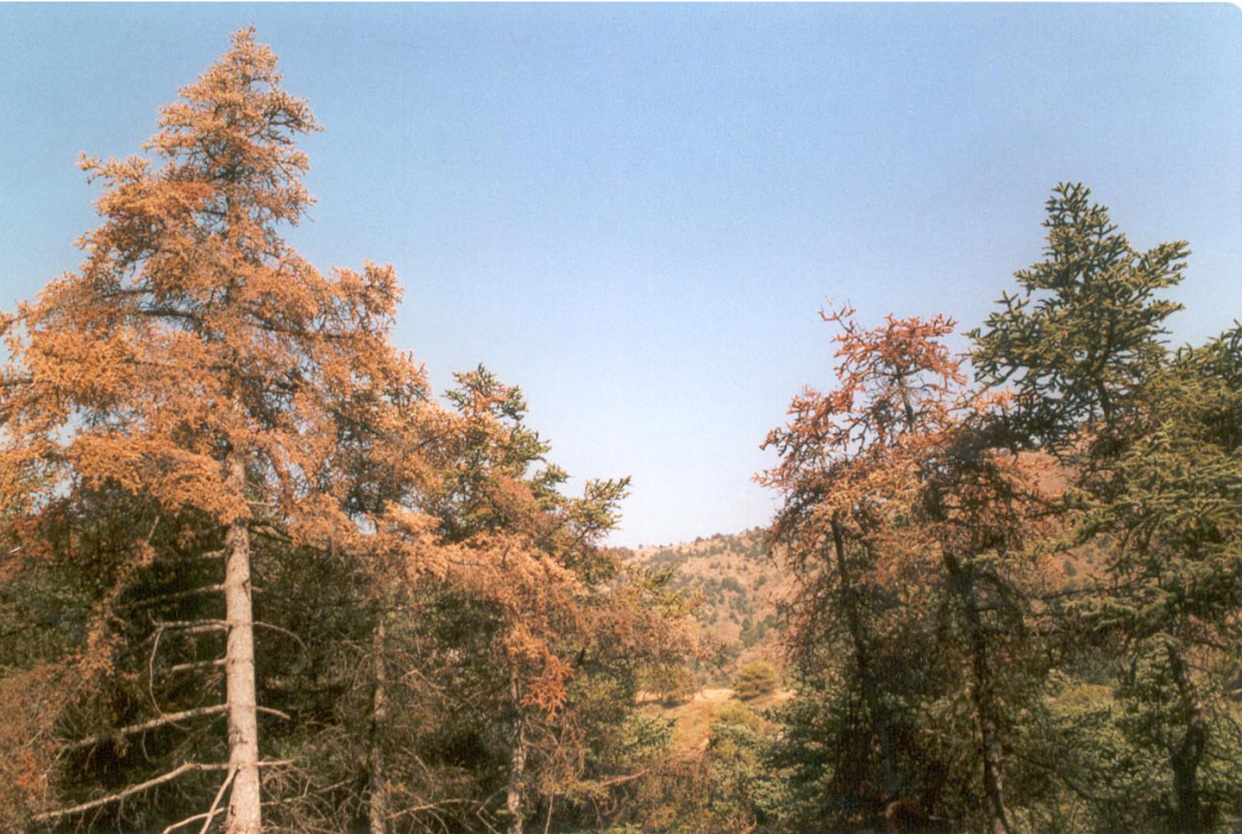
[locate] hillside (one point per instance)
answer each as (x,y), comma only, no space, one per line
(739,584)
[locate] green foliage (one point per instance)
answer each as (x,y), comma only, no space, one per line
(936,656)
(756,680)
(747,791)
(1085,333)
(1105,678)
(1151,440)
(671,682)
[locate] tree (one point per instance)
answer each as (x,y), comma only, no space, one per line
(1085,333)
(893,387)
(197,367)
(1150,442)
(1174,521)
(755,680)
(549,629)
(897,506)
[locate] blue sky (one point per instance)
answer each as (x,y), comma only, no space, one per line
(635,212)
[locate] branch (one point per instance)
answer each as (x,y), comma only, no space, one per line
(197,664)
(151,671)
(427,806)
(52,816)
(208,554)
(264,528)
(132,729)
(200,626)
(187,767)
(215,803)
(193,626)
(620,780)
(207,816)
(193,592)
(261,624)
(211,813)
(183,626)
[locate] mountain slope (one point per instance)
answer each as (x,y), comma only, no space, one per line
(739,584)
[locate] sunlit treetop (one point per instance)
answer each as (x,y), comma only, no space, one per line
(1087,330)
(897,385)
(192,328)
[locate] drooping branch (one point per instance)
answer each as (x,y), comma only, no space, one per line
(215,803)
(189,820)
(211,812)
(193,626)
(119,796)
(162,598)
(206,817)
(181,770)
(285,631)
(134,729)
(169,718)
(197,664)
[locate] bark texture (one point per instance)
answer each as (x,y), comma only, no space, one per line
(377,803)
(245,811)
(1188,755)
(517,768)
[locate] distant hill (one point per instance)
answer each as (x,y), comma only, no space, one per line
(739,583)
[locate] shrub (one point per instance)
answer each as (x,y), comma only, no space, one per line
(755,680)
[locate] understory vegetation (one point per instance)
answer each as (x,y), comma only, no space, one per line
(255,576)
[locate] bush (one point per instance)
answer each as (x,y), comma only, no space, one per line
(755,680)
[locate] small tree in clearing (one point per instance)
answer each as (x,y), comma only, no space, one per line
(755,680)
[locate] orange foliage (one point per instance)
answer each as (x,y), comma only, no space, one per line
(192,328)
(193,337)
(895,460)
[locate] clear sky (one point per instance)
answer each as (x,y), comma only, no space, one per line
(635,212)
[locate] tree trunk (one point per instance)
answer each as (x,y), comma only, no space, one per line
(862,656)
(517,767)
(983,694)
(244,815)
(378,801)
(1188,756)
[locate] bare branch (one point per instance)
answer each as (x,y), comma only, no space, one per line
(197,664)
(187,767)
(193,592)
(188,820)
(621,780)
(216,802)
(207,817)
(259,624)
(193,626)
(133,729)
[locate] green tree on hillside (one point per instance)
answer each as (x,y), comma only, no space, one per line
(1150,439)
(755,680)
